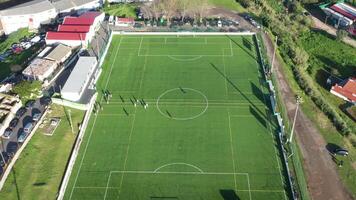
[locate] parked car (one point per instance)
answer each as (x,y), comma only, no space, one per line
(46,100)
(7,133)
(22,136)
(20,112)
(341,152)
(35,39)
(29,104)
(14,123)
(36,117)
(28,127)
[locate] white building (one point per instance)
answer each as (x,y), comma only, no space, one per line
(28,15)
(79,79)
(67,6)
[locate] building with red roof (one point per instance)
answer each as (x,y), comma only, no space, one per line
(73,28)
(78,21)
(344,14)
(346,90)
(125,22)
(67,38)
(76,31)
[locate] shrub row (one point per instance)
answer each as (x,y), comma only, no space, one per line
(288,29)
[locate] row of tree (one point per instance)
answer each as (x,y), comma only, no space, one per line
(168,9)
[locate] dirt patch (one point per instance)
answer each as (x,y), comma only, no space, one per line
(323,180)
(354,165)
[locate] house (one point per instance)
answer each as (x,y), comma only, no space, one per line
(76,31)
(59,54)
(80,78)
(124,22)
(346,90)
(342,13)
(8,108)
(27,15)
(40,69)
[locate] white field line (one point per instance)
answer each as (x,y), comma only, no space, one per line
(182,55)
(187,102)
(129,142)
(232,53)
(249,186)
(232,151)
(252,190)
(177,172)
(271,132)
(139,49)
(92,128)
(181,163)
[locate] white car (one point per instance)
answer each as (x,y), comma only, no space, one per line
(35,39)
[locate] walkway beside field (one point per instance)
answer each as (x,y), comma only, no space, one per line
(323,180)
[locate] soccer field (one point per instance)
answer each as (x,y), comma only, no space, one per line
(206,134)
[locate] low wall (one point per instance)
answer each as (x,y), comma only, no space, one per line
(280,121)
(70,104)
(182,33)
(75,149)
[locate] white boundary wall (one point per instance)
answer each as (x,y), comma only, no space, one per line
(182,33)
(18,153)
(76,148)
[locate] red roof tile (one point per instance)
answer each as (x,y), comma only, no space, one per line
(78,21)
(65,36)
(73,28)
(347,89)
(343,12)
(125,20)
(90,15)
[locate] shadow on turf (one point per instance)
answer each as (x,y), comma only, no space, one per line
(245,42)
(258,117)
(257,92)
(258,111)
(229,195)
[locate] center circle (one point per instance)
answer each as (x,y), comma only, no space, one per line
(182,103)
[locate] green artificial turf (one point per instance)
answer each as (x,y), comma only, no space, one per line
(206,134)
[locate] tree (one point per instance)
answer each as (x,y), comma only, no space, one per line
(169,8)
(28,90)
(184,6)
(156,9)
(200,7)
(341,34)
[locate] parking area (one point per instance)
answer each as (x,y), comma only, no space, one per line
(27,117)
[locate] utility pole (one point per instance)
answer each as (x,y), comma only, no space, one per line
(70,120)
(274,54)
(299,101)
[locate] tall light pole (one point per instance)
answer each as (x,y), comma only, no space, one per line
(274,54)
(70,120)
(298,101)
